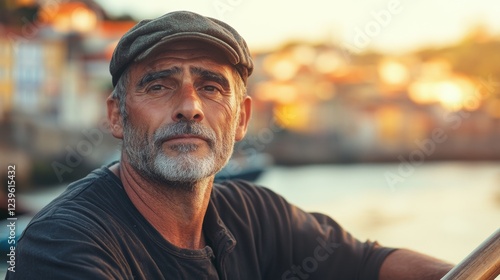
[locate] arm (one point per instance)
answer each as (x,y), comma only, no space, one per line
(406,264)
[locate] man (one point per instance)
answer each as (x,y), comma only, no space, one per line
(179,104)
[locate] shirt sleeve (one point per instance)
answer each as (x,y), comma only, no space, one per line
(321,249)
(295,244)
(63,249)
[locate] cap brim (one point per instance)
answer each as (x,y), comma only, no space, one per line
(231,54)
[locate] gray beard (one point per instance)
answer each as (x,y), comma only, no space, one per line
(183,171)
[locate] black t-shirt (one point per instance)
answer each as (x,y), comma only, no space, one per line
(93,231)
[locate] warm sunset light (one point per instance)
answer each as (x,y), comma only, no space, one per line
(25,2)
(301,120)
(493,108)
(304,54)
(70,17)
(450,95)
(422,92)
(324,90)
(390,121)
(281,67)
(455,93)
(393,72)
(281,93)
(83,20)
(329,62)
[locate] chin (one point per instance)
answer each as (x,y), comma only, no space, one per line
(185,168)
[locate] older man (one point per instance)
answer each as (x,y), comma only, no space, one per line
(179,104)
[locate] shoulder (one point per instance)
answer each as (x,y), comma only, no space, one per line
(75,232)
(82,201)
(258,207)
(255,203)
(242,204)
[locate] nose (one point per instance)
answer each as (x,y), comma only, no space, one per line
(188,106)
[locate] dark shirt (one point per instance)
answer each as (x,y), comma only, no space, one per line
(93,231)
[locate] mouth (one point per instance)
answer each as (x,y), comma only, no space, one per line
(186,138)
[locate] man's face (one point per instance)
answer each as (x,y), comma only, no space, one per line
(183,113)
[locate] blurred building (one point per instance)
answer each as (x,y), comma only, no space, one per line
(6,81)
(54,78)
(372,107)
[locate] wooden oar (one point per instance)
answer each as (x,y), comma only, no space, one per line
(481,264)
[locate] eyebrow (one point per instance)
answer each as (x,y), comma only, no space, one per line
(211,76)
(152,76)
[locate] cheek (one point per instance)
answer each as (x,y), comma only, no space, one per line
(145,117)
(222,115)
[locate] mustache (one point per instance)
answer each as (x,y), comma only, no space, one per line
(173,130)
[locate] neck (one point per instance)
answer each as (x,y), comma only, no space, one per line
(177,212)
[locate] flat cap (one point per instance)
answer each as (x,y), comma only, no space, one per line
(181,25)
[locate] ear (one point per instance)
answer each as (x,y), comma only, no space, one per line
(245,114)
(114,117)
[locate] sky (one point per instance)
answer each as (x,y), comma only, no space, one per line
(391,26)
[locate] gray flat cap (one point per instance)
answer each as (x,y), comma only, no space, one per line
(181,25)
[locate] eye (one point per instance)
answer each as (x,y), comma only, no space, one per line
(156,88)
(210,90)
